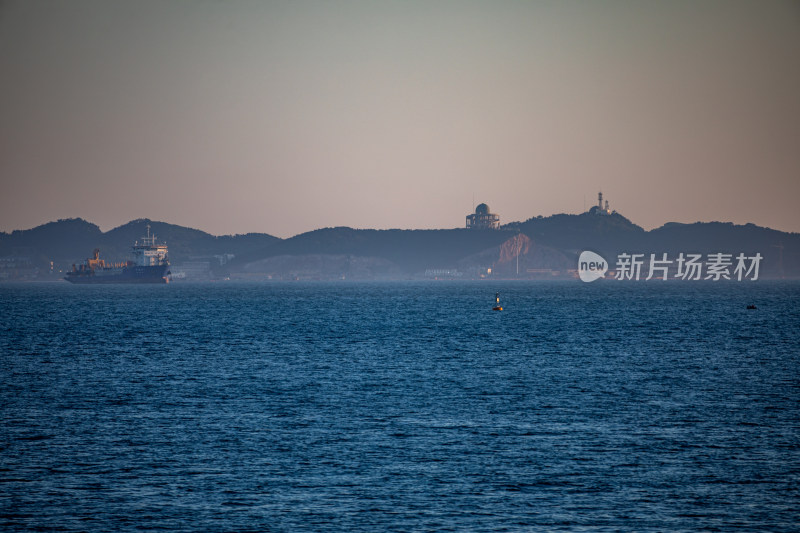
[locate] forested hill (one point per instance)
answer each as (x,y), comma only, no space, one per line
(70,241)
(613,234)
(409,250)
(542,243)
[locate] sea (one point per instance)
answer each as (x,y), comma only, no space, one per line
(400,406)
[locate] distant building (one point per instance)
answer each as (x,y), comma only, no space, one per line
(483,219)
(17,268)
(599,209)
(191,270)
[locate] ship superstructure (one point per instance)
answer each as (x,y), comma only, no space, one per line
(150,264)
(149,253)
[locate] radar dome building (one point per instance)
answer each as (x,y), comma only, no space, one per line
(482,218)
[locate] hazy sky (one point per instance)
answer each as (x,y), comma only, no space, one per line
(282,117)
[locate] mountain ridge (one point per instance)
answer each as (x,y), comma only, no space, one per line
(552,245)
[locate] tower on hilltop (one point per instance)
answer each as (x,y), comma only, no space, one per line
(599,209)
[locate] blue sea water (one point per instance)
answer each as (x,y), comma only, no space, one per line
(410,406)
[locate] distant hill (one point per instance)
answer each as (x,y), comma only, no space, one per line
(613,234)
(70,241)
(582,232)
(407,251)
(539,246)
(546,246)
(780,250)
(727,237)
(184,243)
(55,241)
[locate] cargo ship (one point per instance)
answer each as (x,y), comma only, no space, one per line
(150,264)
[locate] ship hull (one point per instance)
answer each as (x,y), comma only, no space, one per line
(128,274)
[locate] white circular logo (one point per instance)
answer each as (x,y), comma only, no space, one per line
(591,266)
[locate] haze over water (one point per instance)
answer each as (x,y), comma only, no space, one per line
(400,406)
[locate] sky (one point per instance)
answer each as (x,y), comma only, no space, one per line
(284,117)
